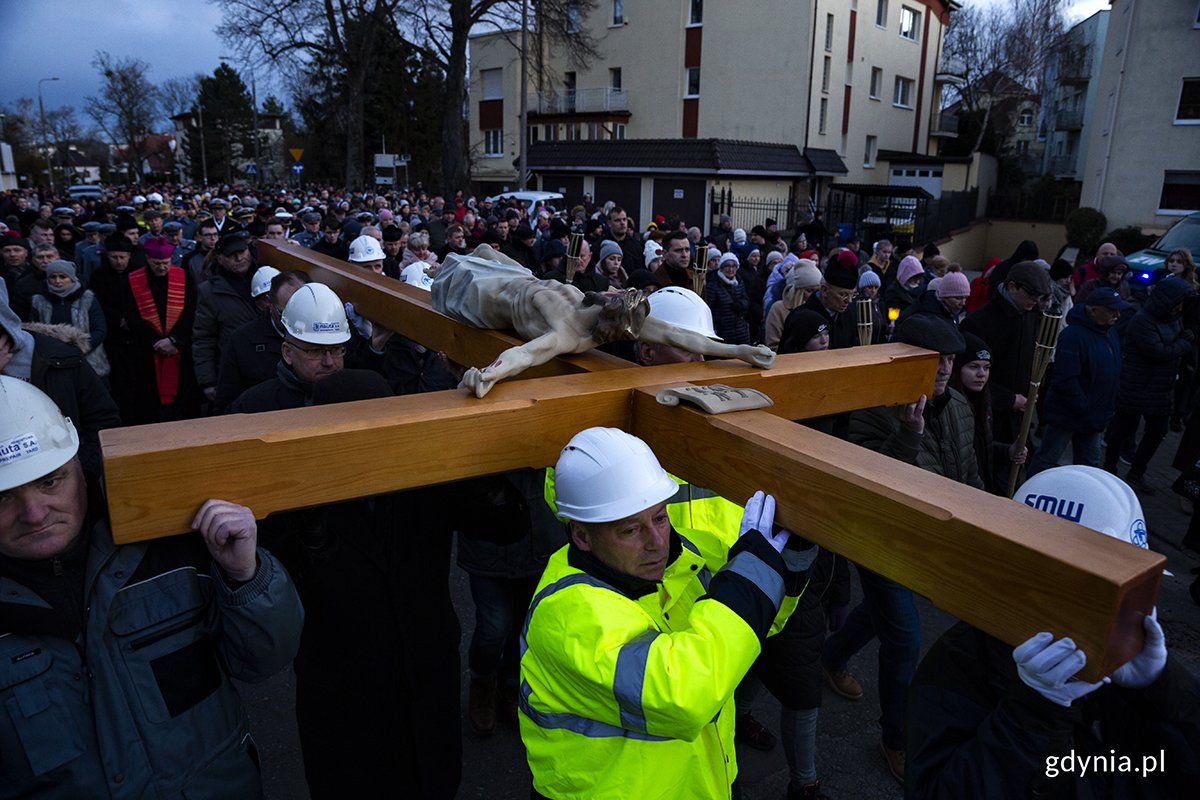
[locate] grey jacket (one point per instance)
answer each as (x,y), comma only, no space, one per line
(124,690)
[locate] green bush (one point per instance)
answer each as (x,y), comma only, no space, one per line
(1129,239)
(1085,227)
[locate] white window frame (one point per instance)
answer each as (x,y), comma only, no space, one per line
(1176,212)
(619,131)
(574,22)
(826,68)
(881,13)
(695,13)
(491,83)
(916,24)
(870,150)
(1021,117)
(829,33)
(687,83)
(823,116)
(1179,103)
(615,76)
(493,143)
(896,94)
(618,13)
(876,86)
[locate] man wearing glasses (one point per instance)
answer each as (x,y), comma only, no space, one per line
(1009,324)
(315,332)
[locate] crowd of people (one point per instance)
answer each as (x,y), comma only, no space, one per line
(139,308)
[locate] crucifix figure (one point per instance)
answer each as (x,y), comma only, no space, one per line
(489,290)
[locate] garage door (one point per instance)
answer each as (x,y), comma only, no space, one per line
(569,186)
(680,197)
(625,192)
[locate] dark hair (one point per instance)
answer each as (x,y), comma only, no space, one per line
(614,211)
(293,276)
(206,223)
(673,235)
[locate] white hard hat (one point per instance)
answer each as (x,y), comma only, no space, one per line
(154,197)
(366,248)
(684,309)
(138,199)
(1092,497)
(414,275)
(35,437)
(260,284)
(314,314)
(606,474)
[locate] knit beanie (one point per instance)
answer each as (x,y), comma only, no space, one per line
(61,267)
(953,284)
(910,267)
(800,326)
(609,248)
(931,332)
(841,277)
(976,349)
(651,251)
(711,254)
(868,278)
(739,235)
(804,275)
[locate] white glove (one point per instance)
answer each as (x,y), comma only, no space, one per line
(1049,668)
(760,516)
(1144,668)
(359,321)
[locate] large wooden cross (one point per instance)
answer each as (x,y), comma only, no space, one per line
(1004,567)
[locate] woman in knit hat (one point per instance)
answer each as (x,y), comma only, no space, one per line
(802,280)
(900,294)
(972,368)
(609,264)
(727,298)
(63,301)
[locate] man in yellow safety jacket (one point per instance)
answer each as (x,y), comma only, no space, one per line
(639,632)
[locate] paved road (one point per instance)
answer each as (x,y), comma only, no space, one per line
(849,762)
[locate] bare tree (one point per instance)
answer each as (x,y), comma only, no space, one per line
(126,106)
(179,95)
(1005,49)
(283,32)
(441,29)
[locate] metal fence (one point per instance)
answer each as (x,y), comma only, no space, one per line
(951,211)
(1040,207)
(746,212)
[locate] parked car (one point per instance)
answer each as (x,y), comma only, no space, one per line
(1183,234)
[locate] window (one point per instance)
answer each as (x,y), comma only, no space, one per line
(569,90)
(493,142)
(1022,147)
(618,17)
(1026,117)
(614,77)
(869,153)
(903,96)
(532,134)
(825,74)
(1188,112)
(493,83)
(824,115)
(551,132)
(692,82)
(881,13)
(696,12)
(1180,193)
(573,132)
(574,18)
(828,33)
(876,82)
(619,130)
(910,23)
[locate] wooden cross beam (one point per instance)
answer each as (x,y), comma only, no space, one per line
(1005,568)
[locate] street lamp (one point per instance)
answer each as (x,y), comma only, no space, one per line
(42,115)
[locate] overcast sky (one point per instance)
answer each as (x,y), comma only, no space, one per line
(174,38)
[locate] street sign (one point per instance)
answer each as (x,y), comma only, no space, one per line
(385,160)
(297,168)
(383,180)
(252,169)
(296,152)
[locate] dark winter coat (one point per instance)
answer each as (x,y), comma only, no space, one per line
(251,357)
(946,447)
(1082,394)
(843,327)
(1154,343)
(974,729)
(729,305)
(223,305)
(1025,251)
(1012,335)
(896,296)
(928,303)
(283,391)
(506,529)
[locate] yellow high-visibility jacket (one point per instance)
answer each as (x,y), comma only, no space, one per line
(625,697)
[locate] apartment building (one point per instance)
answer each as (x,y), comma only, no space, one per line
(1073,79)
(781,98)
(1142,165)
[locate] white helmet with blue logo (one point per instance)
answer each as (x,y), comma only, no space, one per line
(1092,497)
(316,315)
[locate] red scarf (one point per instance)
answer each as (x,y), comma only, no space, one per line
(166,368)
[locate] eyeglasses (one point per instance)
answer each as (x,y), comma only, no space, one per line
(1036,295)
(334,351)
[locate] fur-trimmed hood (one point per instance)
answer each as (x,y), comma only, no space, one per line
(62,332)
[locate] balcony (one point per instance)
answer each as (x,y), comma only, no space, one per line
(1063,166)
(580,101)
(1068,120)
(1076,65)
(943,125)
(951,70)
